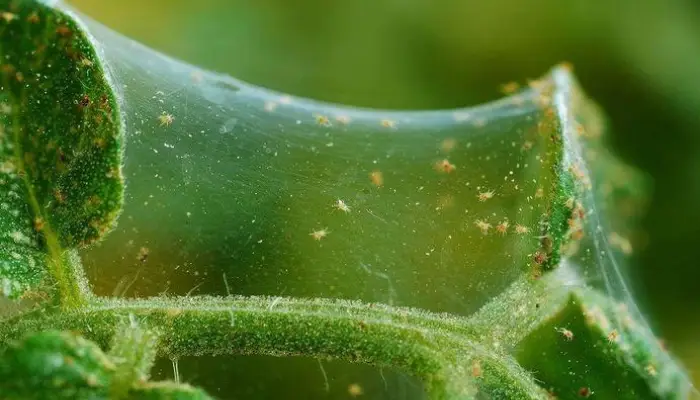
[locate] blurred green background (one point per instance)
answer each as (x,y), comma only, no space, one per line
(639,59)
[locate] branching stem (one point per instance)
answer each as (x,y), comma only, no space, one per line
(437,349)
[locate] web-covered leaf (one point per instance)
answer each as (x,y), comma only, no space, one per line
(497,211)
(438,209)
(576,340)
(60,178)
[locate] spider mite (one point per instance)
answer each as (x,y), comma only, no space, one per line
(166,119)
(568,335)
(319,234)
(355,390)
(64,31)
(143,254)
(483,196)
(8,16)
(476,369)
(651,370)
(445,166)
(502,227)
(39,224)
(322,120)
(84,101)
(483,226)
(86,62)
(510,87)
(387,123)
(539,257)
(342,206)
(377,178)
(521,229)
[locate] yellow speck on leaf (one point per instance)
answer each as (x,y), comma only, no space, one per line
(166,119)
(483,226)
(387,123)
(651,370)
(477,371)
(510,87)
(568,335)
(521,229)
(483,196)
(322,120)
(342,206)
(142,256)
(445,166)
(355,390)
(319,234)
(377,178)
(8,16)
(502,227)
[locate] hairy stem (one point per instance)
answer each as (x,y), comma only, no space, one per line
(438,349)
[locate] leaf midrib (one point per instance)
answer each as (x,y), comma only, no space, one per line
(68,294)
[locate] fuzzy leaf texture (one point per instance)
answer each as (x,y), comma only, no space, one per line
(479,250)
(55,365)
(60,178)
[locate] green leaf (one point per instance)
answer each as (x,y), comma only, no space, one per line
(576,340)
(592,345)
(133,351)
(521,161)
(60,176)
(167,391)
(59,365)
(54,365)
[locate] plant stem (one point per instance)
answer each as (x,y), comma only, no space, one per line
(438,349)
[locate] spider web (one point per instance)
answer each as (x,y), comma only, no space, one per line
(224,176)
(440,210)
